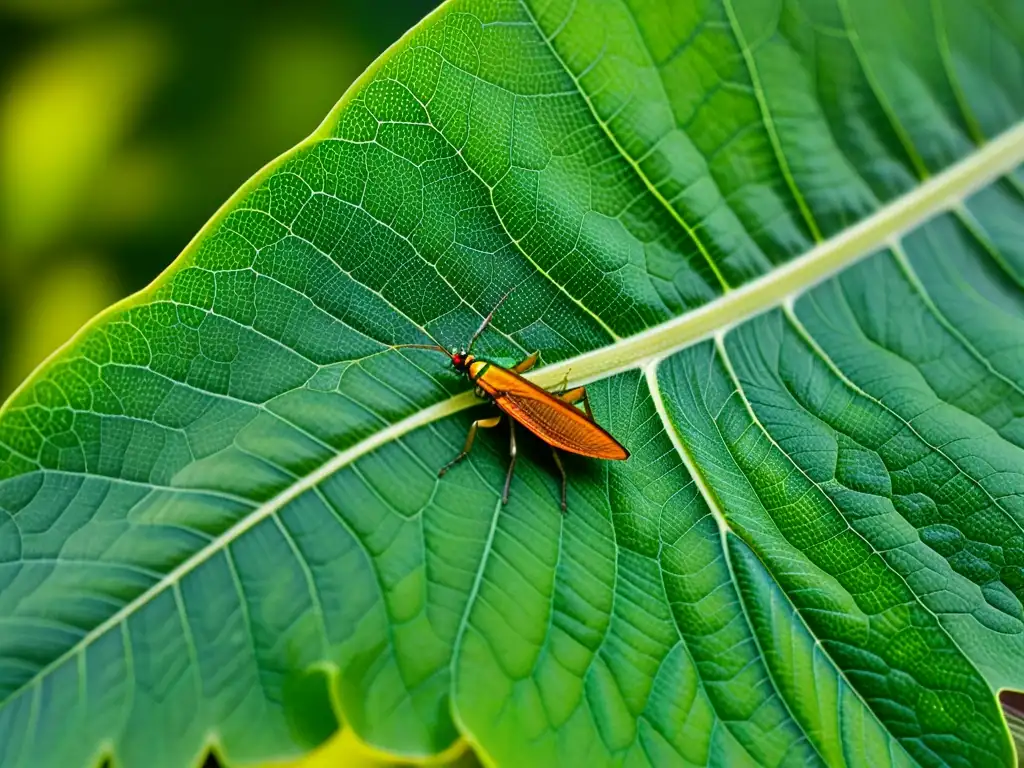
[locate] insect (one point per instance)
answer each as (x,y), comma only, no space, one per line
(551,416)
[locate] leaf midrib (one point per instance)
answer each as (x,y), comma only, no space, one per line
(940,193)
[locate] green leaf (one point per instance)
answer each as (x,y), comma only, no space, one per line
(781,241)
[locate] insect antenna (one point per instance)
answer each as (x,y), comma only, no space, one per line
(435,347)
(487,320)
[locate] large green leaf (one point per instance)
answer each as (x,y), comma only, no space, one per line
(221,522)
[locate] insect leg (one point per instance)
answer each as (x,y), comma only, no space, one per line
(512,462)
(527,363)
(561,388)
(575,395)
(486,424)
(558,463)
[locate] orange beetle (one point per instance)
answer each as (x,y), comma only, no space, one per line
(551,416)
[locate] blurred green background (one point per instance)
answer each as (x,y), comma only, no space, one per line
(124,124)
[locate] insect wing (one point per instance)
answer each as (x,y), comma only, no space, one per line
(554,421)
